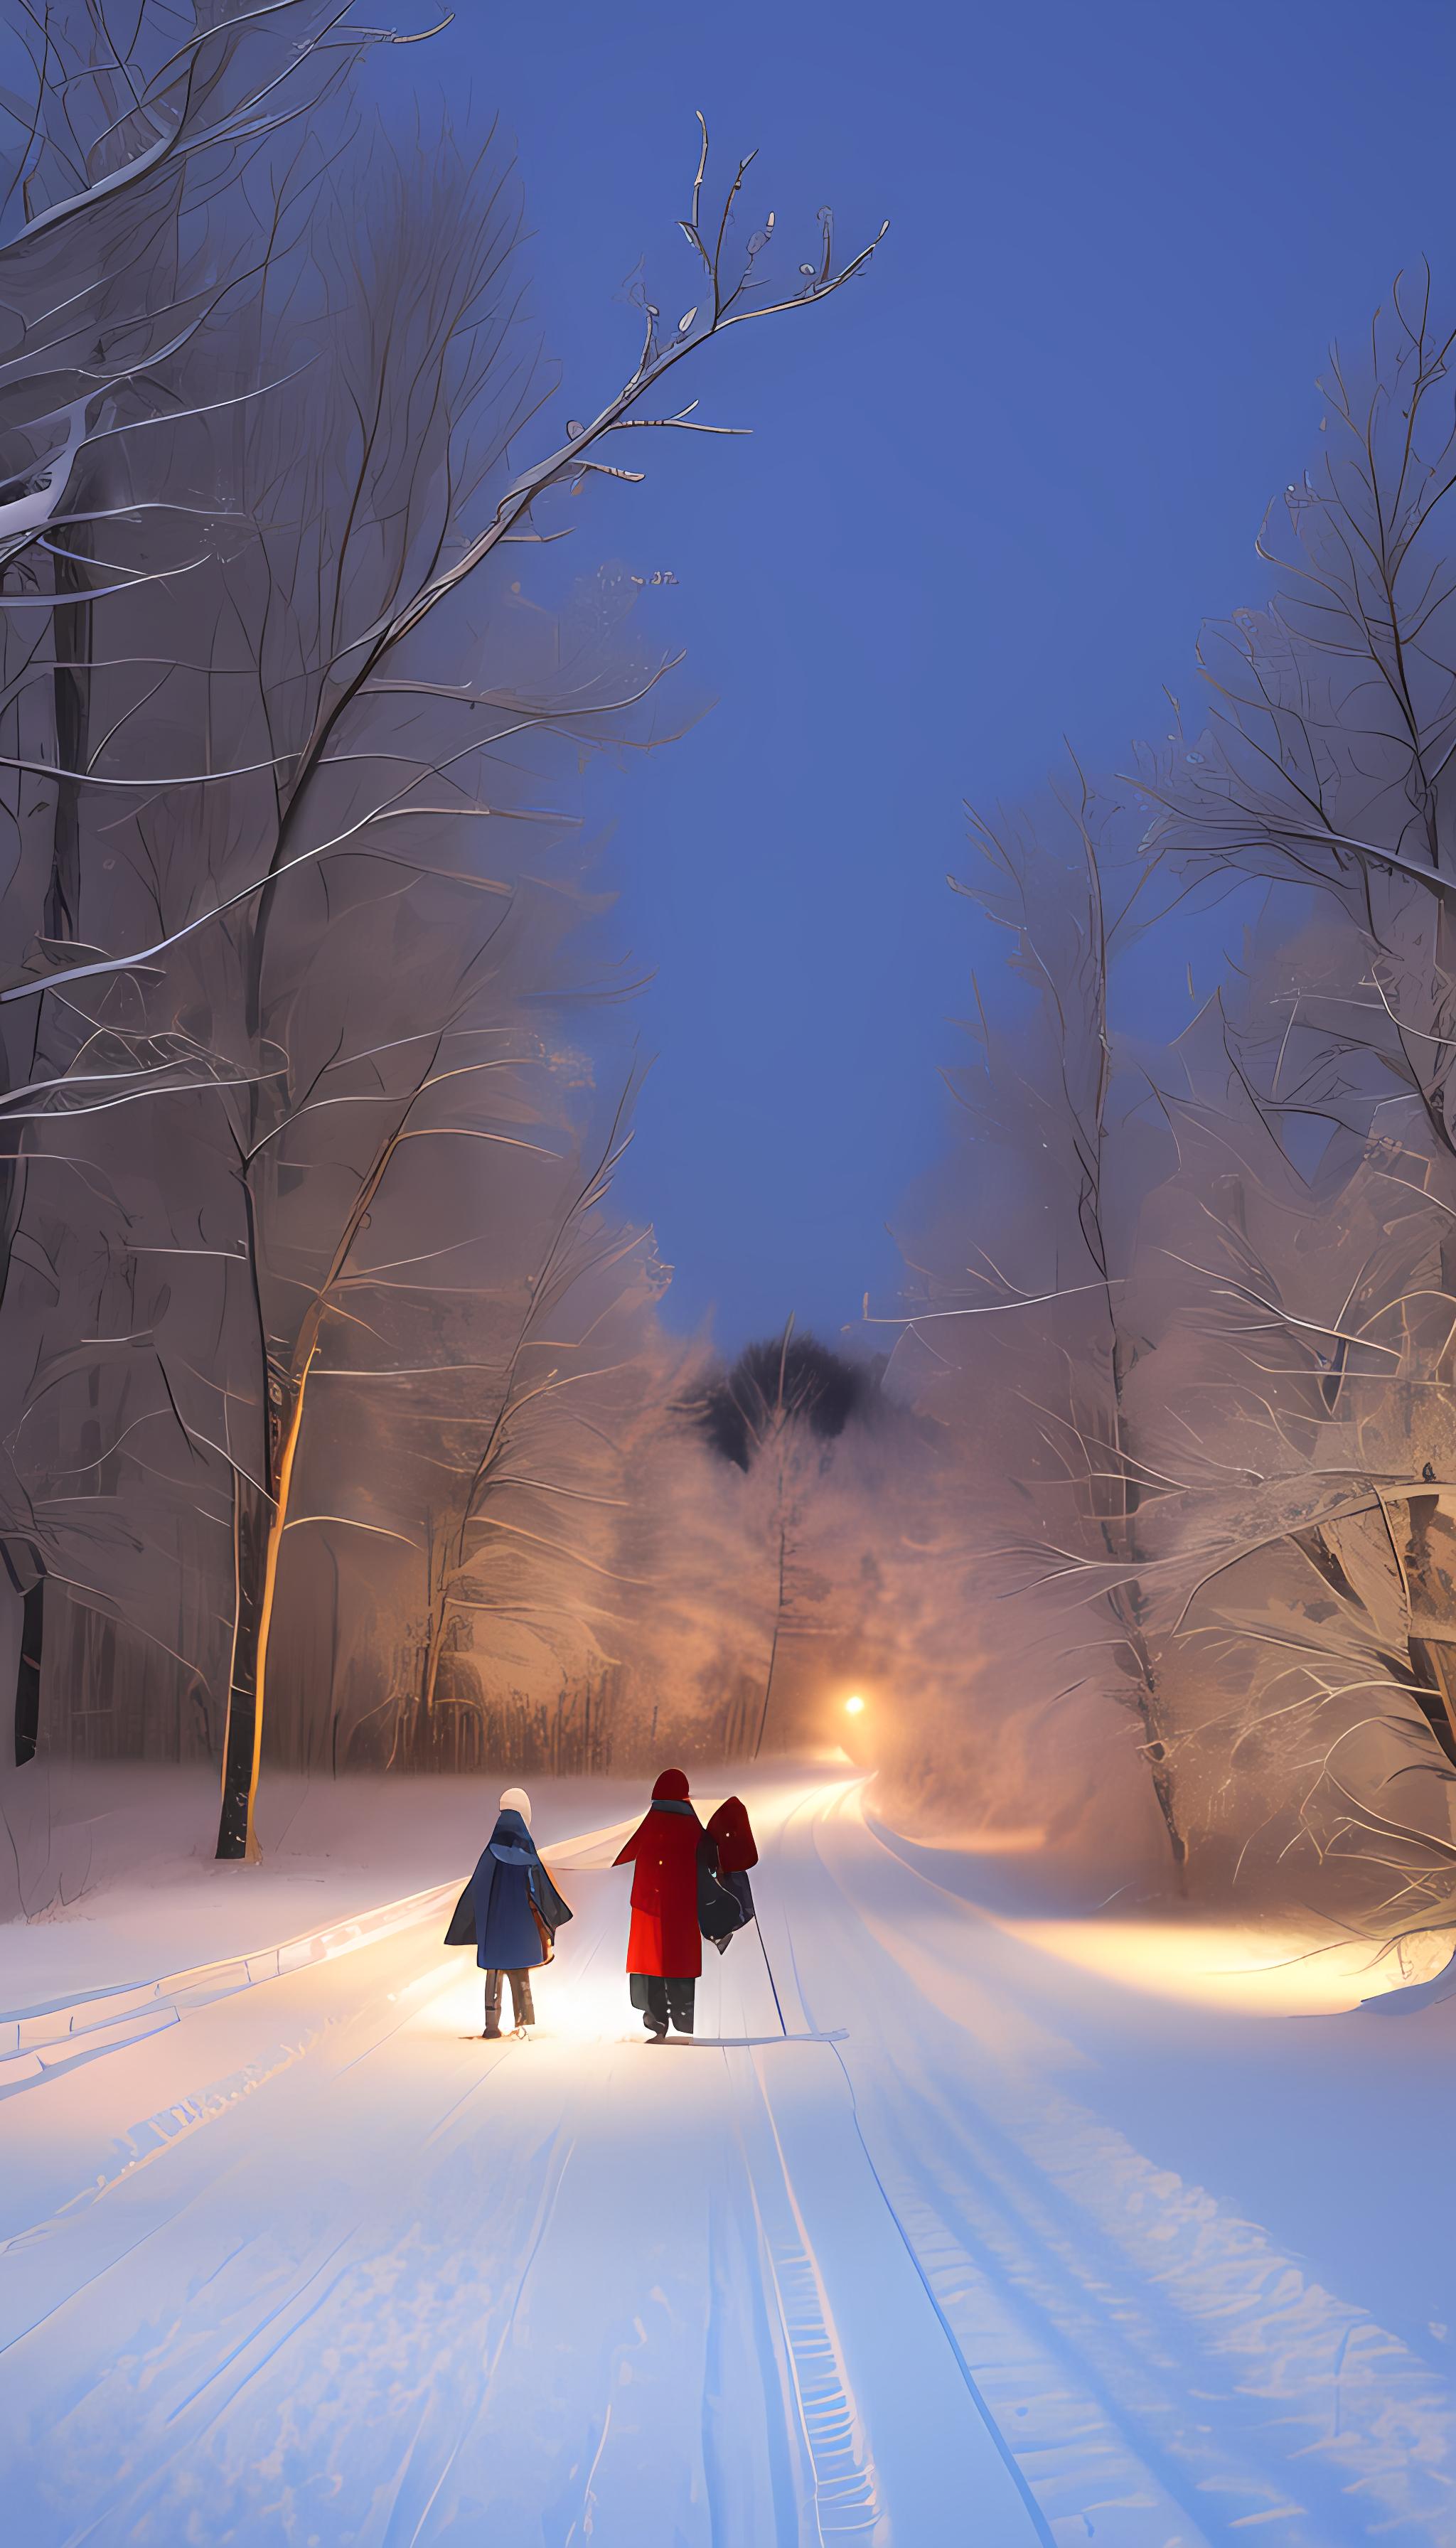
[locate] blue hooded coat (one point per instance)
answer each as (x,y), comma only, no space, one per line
(494,1913)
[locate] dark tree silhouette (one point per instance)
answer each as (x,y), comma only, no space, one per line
(779,1378)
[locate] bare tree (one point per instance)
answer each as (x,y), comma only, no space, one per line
(529,1537)
(1325,765)
(1030,1315)
(117,264)
(1293,1321)
(300,839)
(1326,760)
(774,1415)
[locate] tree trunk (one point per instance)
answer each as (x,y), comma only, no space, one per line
(259,1519)
(71,683)
(1432,1596)
(27,1673)
(443,1560)
(1124,1609)
(258,1532)
(773,1648)
(253,1512)
(1433,1687)
(59,918)
(1121,1541)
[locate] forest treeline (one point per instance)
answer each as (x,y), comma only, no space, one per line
(341,1423)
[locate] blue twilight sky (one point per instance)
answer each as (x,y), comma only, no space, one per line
(991,492)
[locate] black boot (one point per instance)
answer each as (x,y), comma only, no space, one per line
(680,1996)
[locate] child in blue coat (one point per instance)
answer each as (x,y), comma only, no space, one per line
(510,1912)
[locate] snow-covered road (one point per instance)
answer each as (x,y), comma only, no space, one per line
(866,2260)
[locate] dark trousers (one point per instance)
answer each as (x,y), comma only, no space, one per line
(661,1997)
(520,2000)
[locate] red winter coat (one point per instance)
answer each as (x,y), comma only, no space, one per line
(663,1852)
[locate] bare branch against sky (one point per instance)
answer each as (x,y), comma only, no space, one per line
(287,761)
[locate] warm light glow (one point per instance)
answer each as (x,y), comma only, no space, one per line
(1269,1972)
(854,1707)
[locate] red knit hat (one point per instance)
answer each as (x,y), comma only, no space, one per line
(670,1788)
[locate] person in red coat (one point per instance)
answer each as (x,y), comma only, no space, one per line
(665,1949)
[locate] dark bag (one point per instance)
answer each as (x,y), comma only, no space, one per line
(548,1912)
(719,1912)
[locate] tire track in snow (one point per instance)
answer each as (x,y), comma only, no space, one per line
(841,2206)
(761,2489)
(1173,2341)
(844,2499)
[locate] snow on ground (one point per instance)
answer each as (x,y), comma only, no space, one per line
(942,2230)
(129,1886)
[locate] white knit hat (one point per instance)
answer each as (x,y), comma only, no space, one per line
(515,1800)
